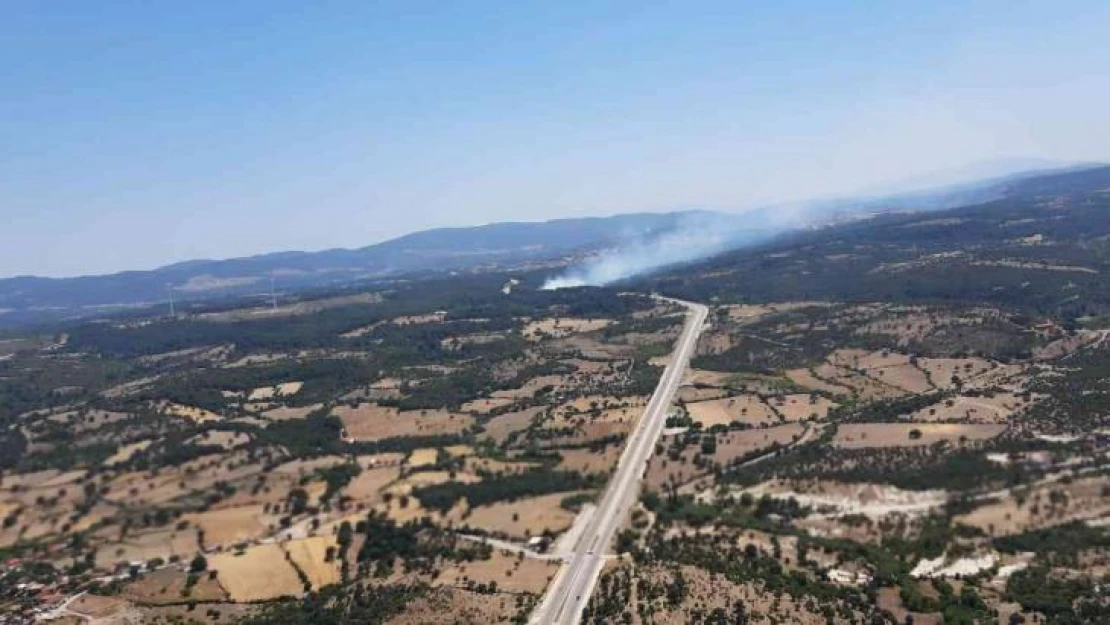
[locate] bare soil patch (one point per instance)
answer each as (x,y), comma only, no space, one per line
(731,446)
(1044,505)
(285,389)
(507,570)
(281,413)
(199,415)
(261,572)
(995,409)
(168,585)
(525,517)
(586,461)
(748,409)
(371,422)
(367,486)
(802,406)
(231,525)
(868,435)
(561,327)
(309,555)
(500,427)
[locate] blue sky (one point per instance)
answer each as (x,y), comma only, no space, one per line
(134,134)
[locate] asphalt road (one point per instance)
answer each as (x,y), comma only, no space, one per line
(570,591)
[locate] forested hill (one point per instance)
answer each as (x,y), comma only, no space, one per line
(440,249)
(1043,247)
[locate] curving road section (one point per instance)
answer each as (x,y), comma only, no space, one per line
(570,591)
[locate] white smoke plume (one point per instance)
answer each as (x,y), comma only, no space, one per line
(697,236)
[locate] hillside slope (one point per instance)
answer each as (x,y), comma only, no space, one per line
(1044,246)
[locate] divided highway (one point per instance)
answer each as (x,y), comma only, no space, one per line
(570,591)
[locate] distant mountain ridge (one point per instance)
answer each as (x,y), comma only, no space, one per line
(440,249)
(498,245)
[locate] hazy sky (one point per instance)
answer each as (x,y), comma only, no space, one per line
(133,136)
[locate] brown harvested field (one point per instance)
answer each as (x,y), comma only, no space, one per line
(601,402)
(701,377)
(486,404)
(529,388)
(801,406)
(309,554)
(166,586)
(425,457)
(97,607)
(569,418)
(854,358)
(143,488)
(885,366)
(402,510)
(867,435)
(225,439)
(909,325)
(941,370)
(806,379)
(865,387)
(368,485)
(230,612)
(198,415)
(689,394)
(499,427)
(371,422)
(906,377)
(459,451)
(730,447)
(387,459)
(560,327)
(406,485)
(510,573)
(144,546)
(525,517)
(301,468)
(749,409)
(750,312)
(284,389)
(259,573)
(38,479)
(589,432)
(123,454)
(587,346)
(591,367)
(1045,505)
(95,419)
(996,409)
(1067,345)
(586,461)
(733,445)
(476,464)
(231,525)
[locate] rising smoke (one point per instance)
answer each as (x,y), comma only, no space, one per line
(696,236)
